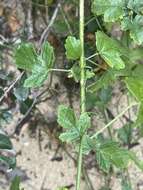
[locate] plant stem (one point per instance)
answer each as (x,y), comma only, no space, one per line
(79,167)
(82,59)
(82,86)
(115,119)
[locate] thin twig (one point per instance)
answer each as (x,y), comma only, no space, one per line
(11,87)
(3,38)
(20,123)
(87,179)
(46,31)
(29,21)
(66,20)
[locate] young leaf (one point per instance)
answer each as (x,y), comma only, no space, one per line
(89,74)
(112,10)
(110,50)
(84,122)
(25,56)
(71,135)
(66,117)
(75,72)
(47,55)
(73,48)
(86,144)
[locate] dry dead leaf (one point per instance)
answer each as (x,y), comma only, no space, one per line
(13,22)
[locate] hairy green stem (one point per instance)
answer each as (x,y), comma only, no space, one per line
(82,86)
(82,58)
(79,168)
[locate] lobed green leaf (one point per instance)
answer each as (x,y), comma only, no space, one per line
(66,117)
(26,57)
(110,50)
(135,86)
(73,48)
(112,10)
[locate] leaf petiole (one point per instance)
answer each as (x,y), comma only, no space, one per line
(115,119)
(90,57)
(60,70)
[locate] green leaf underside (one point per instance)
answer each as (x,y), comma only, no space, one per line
(73,48)
(110,50)
(66,117)
(9,161)
(84,122)
(71,135)
(5,143)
